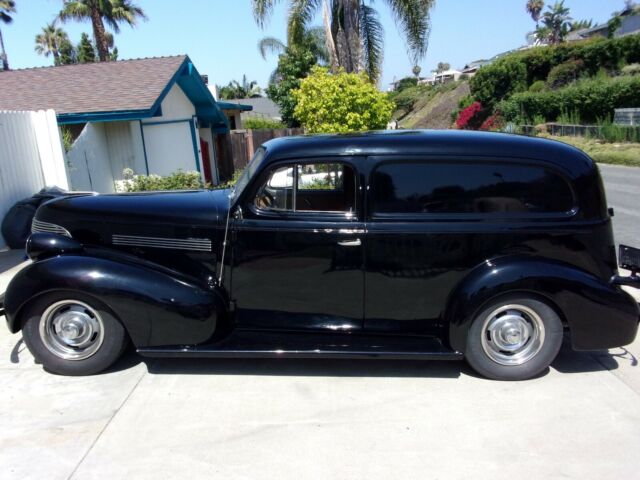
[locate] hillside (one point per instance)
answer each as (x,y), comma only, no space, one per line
(434,111)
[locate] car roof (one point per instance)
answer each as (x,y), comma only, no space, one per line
(454,143)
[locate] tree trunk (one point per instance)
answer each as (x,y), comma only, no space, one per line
(346,34)
(3,54)
(56,55)
(99,33)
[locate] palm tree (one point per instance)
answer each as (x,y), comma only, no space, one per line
(557,22)
(354,34)
(580,25)
(6,7)
(416,71)
(235,89)
(111,12)
(534,8)
(50,41)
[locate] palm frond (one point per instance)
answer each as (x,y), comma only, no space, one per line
(301,13)
(78,11)
(317,40)
(270,45)
(372,34)
(7,7)
(262,10)
(124,11)
(413,20)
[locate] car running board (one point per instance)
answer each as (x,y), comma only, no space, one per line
(253,344)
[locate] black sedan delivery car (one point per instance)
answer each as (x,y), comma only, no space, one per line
(405,245)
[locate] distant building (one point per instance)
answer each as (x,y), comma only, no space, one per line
(472,68)
(261,107)
(442,77)
(629,24)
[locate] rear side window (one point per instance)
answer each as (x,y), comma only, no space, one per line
(445,188)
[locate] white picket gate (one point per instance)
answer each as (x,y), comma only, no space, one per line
(31,156)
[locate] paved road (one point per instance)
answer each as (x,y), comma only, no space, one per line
(623,194)
(292,419)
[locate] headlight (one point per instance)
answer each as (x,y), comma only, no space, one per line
(44,227)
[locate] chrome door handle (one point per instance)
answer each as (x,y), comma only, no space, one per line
(350,243)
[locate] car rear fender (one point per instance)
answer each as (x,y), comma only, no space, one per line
(599,314)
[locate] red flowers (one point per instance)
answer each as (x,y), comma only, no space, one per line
(470,118)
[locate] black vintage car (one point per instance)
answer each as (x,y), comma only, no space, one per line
(405,245)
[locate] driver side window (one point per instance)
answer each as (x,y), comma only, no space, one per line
(309,187)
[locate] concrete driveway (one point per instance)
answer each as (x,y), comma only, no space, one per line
(292,419)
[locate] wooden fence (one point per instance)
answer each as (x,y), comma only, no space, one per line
(236,148)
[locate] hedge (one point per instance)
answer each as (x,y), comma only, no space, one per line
(592,100)
(518,71)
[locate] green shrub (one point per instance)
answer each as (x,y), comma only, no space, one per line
(255,123)
(406,99)
(405,83)
(538,86)
(565,73)
(590,99)
(340,103)
(179,180)
(516,72)
(499,80)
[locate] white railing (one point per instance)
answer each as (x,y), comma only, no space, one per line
(31,156)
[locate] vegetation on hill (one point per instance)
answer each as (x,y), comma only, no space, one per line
(543,82)
(426,106)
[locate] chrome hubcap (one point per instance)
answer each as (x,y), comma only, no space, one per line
(512,334)
(71,330)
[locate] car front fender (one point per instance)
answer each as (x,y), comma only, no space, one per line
(599,315)
(155,306)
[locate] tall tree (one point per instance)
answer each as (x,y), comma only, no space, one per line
(580,25)
(68,54)
(6,8)
(416,71)
(354,33)
(50,41)
(534,8)
(99,12)
(556,23)
(86,50)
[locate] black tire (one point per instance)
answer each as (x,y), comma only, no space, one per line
(479,356)
(113,344)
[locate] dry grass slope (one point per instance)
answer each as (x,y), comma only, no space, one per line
(435,112)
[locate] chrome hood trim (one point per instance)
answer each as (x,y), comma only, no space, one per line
(195,244)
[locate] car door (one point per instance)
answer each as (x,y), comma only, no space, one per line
(298,249)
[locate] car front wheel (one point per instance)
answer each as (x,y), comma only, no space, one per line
(72,334)
(514,338)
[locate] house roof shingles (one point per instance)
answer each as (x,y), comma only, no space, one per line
(90,87)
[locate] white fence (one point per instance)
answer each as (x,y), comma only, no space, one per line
(31,156)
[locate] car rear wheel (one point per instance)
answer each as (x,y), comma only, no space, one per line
(72,334)
(514,338)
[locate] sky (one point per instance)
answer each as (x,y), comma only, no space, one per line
(221,36)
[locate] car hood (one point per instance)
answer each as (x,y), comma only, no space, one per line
(176,213)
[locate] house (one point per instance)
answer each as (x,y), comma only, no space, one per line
(442,77)
(151,115)
(629,24)
(261,107)
(472,68)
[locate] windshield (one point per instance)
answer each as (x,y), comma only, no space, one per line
(248,172)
